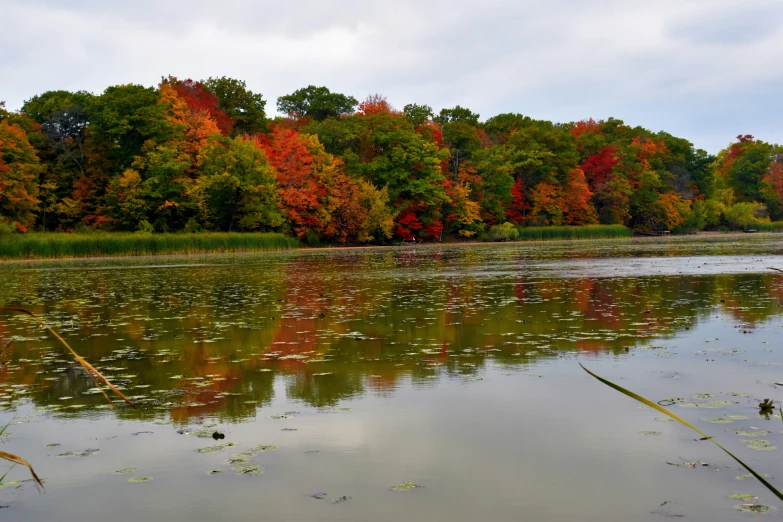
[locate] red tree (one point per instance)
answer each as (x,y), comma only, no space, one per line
(200,99)
(598,167)
(519,204)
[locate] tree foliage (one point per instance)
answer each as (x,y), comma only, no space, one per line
(190,155)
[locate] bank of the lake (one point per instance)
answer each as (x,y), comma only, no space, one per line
(54,245)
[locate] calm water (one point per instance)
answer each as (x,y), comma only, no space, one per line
(344,373)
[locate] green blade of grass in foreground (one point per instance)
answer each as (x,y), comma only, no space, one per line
(685,423)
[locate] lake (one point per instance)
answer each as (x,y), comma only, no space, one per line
(404,383)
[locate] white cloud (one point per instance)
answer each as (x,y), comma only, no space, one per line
(666,65)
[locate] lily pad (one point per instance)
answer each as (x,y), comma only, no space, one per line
(702,396)
(712,405)
(407,486)
(248,469)
(265,448)
(759,445)
(719,420)
(748,433)
(219,447)
(747,476)
(125,471)
(752,508)
(743,496)
(139,479)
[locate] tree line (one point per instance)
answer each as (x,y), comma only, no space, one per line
(203,155)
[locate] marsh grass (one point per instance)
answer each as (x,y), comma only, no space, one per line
(94,374)
(50,245)
(682,421)
(583,232)
(775,226)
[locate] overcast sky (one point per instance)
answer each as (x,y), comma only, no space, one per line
(704,70)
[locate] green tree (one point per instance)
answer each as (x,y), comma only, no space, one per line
(462,140)
(316,103)
(500,127)
(242,105)
(236,188)
(417,114)
(457,113)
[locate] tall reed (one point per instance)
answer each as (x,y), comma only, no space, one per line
(98,244)
(775,226)
(566,232)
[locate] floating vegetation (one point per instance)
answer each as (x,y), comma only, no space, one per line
(752,508)
(747,476)
(407,486)
(265,448)
(726,419)
(340,499)
(767,408)
(136,480)
(759,444)
(748,433)
(125,471)
(219,447)
(743,496)
(719,420)
(84,453)
(248,469)
(710,405)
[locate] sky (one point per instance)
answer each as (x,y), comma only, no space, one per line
(703,70)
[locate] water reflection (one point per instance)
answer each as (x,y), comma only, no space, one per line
(191,342)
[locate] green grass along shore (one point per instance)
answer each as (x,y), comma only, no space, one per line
(53,245)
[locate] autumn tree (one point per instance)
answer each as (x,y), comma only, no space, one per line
(302,187)
(771,187)
(19,171)
(576,202)
(200,100)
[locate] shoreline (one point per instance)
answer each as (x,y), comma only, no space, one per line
(425,244)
